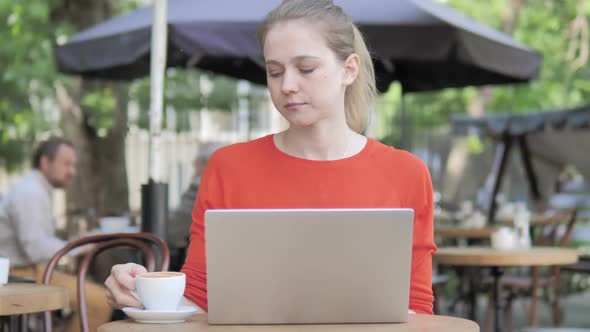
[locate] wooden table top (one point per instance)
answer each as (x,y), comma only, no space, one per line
(421,323)
(487,256)
(468,233)
(26,298)
(537,219)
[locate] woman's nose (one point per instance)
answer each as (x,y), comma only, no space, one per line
(289,84)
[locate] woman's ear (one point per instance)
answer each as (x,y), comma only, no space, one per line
(351,69)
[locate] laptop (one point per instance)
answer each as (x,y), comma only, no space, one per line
(308,266)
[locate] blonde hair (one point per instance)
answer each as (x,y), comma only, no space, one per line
(343,38)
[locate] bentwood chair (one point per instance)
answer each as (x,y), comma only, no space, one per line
(554,232)
(144,242)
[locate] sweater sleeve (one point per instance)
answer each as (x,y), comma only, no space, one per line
(421,296)
(209,197)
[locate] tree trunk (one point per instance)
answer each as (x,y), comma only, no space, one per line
(459,156)
(101,181)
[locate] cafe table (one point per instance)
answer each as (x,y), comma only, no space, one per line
(27,298)
(536,219)
(416,323)
(465,232)
(469,277)
(498,259)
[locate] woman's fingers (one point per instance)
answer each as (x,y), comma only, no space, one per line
(125,274)
(121,296)
(120,285)
(111,300)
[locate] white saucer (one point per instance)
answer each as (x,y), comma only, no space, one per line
(159,316)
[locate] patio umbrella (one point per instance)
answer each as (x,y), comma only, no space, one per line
(423,45)
(548,141)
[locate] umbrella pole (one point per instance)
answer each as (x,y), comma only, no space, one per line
(154,194)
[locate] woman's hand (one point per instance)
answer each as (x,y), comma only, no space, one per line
(120,285)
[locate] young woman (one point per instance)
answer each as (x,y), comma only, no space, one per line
(321,79)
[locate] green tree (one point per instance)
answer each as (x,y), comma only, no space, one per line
(556,28)
(183,94)
(25,77)
(36,100)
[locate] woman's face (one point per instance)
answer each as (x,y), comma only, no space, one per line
(305,79)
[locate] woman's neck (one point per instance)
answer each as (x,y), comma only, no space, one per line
(314,144)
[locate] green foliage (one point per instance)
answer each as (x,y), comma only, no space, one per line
(103,104)
(128,5)
(26,76)
(183,94)
(543,25)
(475,144)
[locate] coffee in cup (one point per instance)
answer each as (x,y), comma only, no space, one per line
(160,290)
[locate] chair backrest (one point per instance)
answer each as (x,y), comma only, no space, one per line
(557,229)
(142,241)
(565,208)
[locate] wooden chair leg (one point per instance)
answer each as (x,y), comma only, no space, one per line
(556,312)
(555,305)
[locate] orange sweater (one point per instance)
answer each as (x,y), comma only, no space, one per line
(258,175)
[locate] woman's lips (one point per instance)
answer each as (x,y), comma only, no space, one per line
(293,106)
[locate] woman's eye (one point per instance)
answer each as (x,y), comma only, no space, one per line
(307,71)
(274,74)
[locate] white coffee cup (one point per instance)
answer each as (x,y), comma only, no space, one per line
(4,268)
(160,290)
(503,239)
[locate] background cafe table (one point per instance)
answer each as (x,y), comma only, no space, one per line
(465,232)
(27,298)
(422,323)
(469,277)
(498,259)
(537,219)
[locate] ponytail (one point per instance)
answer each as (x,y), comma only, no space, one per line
(360,95)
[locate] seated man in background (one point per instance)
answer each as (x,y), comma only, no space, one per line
(27,224)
